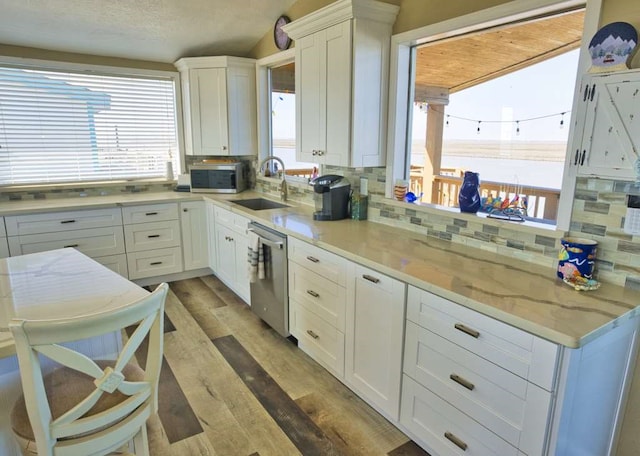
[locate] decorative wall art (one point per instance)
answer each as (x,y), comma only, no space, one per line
(612,46)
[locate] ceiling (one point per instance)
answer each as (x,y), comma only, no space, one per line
(154,30)
(458,63)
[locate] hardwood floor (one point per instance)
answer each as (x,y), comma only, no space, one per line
(251,391)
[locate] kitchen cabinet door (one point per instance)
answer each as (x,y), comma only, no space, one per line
(375,332)
(219,105)
(610,136)
(226,250)
(195,236)
(208,104)
(341,89)
(211,233)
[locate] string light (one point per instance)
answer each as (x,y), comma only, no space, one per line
(517,121)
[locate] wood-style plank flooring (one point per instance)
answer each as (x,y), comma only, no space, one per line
(232,386)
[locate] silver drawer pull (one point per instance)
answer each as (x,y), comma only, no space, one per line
(312,334)
(153,236)
(467,330)
(461,381)
(456,441)
(151,213)
(313,293)
(313,259)
(67,221)
(70,245)
(370,278)
(155,263)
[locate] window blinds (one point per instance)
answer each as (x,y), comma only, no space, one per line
(69,127)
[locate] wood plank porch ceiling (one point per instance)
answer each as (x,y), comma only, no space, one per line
(462,62)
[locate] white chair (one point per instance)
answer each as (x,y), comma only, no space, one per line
(88,407)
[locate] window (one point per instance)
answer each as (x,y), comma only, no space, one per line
(496,18)
(283,122)
(496,102)
(67,126)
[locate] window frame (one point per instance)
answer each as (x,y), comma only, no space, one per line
(400,80)
(106,70)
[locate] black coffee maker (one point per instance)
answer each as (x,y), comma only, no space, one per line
(331,196)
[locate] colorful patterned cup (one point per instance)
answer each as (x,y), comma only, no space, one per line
(576,258)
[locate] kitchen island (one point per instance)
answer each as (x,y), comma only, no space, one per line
(53,284)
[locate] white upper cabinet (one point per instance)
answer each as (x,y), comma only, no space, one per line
(607,137)
(219,105)
(342,54)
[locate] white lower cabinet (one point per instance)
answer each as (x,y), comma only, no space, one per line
(231,249)
(318,302)
(153,240)
(117,263)
(374,338)
(211,234)
(496,381)
(95,232)
(195,235)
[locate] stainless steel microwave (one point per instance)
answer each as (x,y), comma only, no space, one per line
(218,177)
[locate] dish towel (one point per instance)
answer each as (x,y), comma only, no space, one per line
(255,257)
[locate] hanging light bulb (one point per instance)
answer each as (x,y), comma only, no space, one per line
(517,127)
(561,120)
(478,130)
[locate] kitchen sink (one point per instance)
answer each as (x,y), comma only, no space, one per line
(259,204)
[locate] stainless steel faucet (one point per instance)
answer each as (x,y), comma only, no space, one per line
(283,184)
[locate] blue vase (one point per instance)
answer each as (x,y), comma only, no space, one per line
(469,195)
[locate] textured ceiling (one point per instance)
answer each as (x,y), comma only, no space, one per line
(155,30)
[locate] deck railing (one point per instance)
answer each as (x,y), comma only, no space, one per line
(542,202)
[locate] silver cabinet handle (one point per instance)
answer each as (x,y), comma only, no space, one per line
(467,330)
(150,236)
(155,263)
(456,441)
(313,293)
(151,213)
(462,381)
(67,221)
(370,278)
(312,334)
(313,259)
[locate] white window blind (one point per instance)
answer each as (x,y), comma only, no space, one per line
(69,127)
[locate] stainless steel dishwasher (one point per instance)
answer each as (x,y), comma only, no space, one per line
(270,296)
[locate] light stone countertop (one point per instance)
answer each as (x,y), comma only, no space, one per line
(522,294)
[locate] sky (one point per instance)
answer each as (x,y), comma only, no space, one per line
(539,90)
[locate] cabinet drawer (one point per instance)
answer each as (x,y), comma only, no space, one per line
(95,242)
(117,263)
(522,353)
(149,213)
(318,294)
(320,261)
(62,221)
(230,220)
(499,399)
(152,263)
(156,235)
(317,338)
(438,426)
